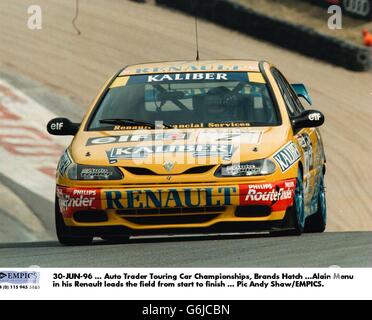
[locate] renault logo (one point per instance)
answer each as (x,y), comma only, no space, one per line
(168,165)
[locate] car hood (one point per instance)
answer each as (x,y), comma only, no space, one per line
(158,150)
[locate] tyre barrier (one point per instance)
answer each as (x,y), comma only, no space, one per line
(283,33)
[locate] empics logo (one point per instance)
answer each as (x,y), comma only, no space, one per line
(23,277)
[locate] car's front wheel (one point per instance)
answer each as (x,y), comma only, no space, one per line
(294,221)
(63,233)
(299,205)
(317,222)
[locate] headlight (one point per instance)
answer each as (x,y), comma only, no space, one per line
(251,168)
(80,172)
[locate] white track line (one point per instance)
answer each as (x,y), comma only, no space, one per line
(17,209)
(28,154)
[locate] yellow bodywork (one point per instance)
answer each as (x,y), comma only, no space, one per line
(203,189)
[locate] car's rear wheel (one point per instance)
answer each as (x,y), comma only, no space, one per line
(63,232)
(294,221)
(317,222)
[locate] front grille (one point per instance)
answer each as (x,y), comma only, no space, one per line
(147,172)
(140,171)
(252,211)
(169,211)
(163,220)
(198,170)
(90,216)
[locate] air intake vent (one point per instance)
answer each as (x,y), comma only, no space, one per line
(90,216)
(252,211)
(198,170)
(147,172)
(162,220)
(140,171)
(169,211)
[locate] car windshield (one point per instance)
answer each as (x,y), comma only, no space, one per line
(186,100)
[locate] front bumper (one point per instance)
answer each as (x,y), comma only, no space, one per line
(175,208)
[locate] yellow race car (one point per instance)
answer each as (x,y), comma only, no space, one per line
(192,147)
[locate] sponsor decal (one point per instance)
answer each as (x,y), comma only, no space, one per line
(282,194)
(307,147)
(246,169)
(64,163)
(138,138)
(287,156)
(277,195)
(253,137)
(315,116)
(184,126)
(261,186)
(141,152)
(187,77)
(97,173)
(289,184)
(56,126)
(228,125)
(70,199)
(170,198)
(20,277)
(188,68)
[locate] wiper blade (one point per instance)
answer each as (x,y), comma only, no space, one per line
(133,122)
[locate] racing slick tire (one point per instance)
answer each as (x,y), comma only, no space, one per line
(317,222)
(63,232)
(361,9)
(294,220)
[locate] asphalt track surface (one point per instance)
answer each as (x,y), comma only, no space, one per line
(125,32)
(326,250)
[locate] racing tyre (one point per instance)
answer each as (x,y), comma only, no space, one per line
(294,221)
(63,231)
(361,9)
(317,222)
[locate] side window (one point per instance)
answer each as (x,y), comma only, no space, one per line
(296,100)
(286,93)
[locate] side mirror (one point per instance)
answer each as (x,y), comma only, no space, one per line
(308,119)
(302,92)
(62,127)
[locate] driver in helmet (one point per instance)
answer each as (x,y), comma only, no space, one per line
(221,104)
